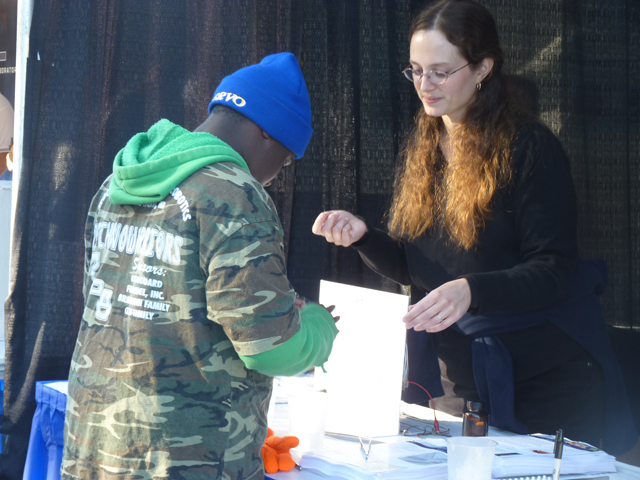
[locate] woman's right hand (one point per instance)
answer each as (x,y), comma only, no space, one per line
(339,227)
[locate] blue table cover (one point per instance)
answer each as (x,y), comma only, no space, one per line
(1,412)
(44,456)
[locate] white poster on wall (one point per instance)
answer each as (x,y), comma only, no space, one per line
(364,372)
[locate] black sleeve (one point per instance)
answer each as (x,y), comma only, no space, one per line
(384,255)
(544,212)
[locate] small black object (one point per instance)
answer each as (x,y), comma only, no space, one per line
(475,421)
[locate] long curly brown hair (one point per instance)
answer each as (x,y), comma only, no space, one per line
(479,162)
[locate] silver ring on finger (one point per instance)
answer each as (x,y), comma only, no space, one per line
(439,317)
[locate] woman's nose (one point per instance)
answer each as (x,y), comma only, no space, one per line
(424,84)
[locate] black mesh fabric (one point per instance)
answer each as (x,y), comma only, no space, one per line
(99,72)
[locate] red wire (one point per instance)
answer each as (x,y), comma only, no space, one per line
(436,425)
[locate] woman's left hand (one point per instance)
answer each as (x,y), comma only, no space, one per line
(441,308)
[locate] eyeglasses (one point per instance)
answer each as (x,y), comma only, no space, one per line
(436,77)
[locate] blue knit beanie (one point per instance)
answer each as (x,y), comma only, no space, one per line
(274,96)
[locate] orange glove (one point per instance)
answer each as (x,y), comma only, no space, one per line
(275,452)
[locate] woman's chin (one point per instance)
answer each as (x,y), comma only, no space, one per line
(432,110)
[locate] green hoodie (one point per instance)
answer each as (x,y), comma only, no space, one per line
(155,162)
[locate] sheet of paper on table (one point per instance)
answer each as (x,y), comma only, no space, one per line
(364,372)
(393,461)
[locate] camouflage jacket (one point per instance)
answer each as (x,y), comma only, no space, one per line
(174,291)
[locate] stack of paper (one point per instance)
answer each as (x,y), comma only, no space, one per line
(340,459)
(524,455)
(533,455)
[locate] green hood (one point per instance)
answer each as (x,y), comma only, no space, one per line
(153,163)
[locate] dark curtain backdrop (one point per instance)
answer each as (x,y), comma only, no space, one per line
(101,71)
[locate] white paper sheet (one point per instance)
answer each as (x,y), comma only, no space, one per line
(364,372)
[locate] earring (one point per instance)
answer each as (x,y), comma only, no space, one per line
(478,86)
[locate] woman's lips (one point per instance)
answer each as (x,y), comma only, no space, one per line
(430,100)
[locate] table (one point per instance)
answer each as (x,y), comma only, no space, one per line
(625,472)
(44,456)
(279,423)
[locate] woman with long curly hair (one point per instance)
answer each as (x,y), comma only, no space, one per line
(483,228)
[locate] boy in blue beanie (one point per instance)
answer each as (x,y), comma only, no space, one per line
(188,310)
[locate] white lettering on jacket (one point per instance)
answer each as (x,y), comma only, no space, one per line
(143,242)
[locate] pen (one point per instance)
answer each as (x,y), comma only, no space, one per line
(557,454)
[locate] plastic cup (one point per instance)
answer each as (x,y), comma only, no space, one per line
(307,414)
(470,458)
(271,412)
